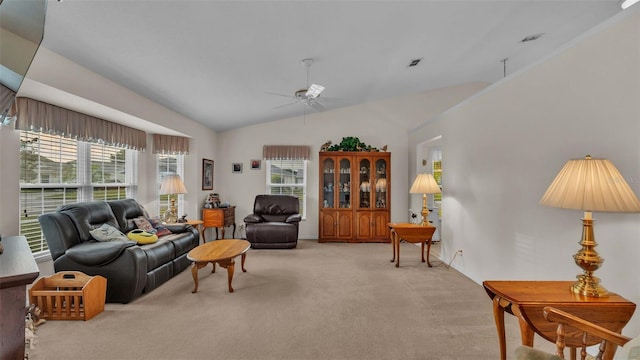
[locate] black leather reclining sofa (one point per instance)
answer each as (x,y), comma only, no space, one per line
(130,269)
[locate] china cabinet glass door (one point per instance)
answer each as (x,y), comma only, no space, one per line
(381,187)
(328,178)
(345,184)
(365,184)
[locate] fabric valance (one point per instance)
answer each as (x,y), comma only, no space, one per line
(34,115)
(286,152)
(167,144)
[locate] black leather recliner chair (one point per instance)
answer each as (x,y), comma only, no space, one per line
(274,222)
(130,269)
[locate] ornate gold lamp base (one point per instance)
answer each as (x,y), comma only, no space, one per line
(589,260)
(425,211)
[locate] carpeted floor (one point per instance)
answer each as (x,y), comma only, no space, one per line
(318,301)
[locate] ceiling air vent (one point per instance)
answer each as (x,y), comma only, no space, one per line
(531,37)
(414,62)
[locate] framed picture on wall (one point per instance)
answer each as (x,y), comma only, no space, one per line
(207,174)
(237,168)
(255,164)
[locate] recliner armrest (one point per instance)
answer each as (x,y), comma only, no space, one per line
(253,218)
(294,218)
(97,253)
(177,228)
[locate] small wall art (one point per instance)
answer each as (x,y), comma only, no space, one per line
(236,168)
(207,174)
(256,164)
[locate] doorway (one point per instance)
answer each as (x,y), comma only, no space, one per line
(429,160)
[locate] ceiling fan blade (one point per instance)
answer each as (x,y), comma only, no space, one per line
(272,93)
(285,105)
(316,106)
(314,91)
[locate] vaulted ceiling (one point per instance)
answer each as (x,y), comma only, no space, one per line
(218,62)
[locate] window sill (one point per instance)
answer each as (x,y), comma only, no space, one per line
(42,256)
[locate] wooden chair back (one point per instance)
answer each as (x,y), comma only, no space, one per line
(567,322)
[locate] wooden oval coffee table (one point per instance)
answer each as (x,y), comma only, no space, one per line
(222,252)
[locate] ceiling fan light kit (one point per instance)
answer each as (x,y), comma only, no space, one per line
(309,95)
(314,91)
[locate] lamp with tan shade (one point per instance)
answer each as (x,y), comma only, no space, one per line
(590,185)
(425,184)
(172,184)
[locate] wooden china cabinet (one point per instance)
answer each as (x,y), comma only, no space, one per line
(355,194)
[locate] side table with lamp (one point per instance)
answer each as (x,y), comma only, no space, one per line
(416,233)
(582,184)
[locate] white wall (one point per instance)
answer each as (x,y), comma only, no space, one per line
(376,124)
(503,147)
(9,199)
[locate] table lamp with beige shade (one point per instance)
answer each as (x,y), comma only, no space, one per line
(425,184)
(172,185)
(590,185)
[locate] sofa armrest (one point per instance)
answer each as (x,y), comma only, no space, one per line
(60,233)
(97,253)
(253,219)
(294,218)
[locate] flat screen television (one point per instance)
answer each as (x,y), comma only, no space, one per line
(21,32)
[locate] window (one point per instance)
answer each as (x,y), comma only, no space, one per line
(55,171)
(288,177)
(436,159)
(168,164)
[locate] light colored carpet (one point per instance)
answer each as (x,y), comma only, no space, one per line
(318,301)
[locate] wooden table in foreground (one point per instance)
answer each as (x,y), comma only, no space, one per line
(222,252)
(412,233)
(526,299)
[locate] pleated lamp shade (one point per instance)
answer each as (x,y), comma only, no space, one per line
(591,185)
(172,184)
(425,184)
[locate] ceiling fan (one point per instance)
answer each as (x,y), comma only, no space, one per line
(308,96)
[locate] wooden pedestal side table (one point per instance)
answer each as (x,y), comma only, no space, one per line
(17,270)
(219,218)
(412,233)
(222,252)
(527,299)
